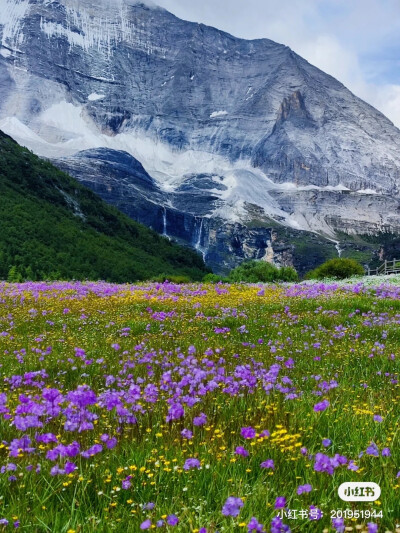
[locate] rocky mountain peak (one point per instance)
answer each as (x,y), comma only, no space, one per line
(229,132)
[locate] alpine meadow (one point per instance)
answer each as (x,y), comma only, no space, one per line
(199,266)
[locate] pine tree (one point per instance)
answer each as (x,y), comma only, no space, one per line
(29,275)
(13,275)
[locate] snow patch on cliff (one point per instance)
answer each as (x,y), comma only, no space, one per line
(94,97)
(367,191)
(20,132)
(5,53)
(65,117)
(217,114)
(12,13)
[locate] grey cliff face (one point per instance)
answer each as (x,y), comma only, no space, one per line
(209,139)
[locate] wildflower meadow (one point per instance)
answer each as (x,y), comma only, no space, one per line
(198,408)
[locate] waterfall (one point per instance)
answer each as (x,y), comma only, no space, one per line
(165,234)
(339,250)
(198,242)
(198,246)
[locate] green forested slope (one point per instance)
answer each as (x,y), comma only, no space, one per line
(53,227)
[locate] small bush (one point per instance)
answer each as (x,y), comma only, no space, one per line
(261,271)
(337,268)
(288,274)
(179,280)
(215,278)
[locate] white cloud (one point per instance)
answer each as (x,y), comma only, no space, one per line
(386,98)
(328,54)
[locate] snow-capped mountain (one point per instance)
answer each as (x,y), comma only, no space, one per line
(210,139)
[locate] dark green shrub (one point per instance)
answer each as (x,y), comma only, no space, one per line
(337,268)
(261,271)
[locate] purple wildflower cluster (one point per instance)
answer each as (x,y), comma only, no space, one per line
(63,427)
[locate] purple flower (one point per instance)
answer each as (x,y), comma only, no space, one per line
(280,502)
(93,450)
(254,525)
(187,434)
(72,450)
(46,438)
(277,526)
(321,406)
(372,528)
(338,524)
(191,463)
(315,513)
(79,352)
(69,467)
(241,451)
(248,433)
(269,463)
(373,450)
(352,466)
(326,443)
(149,506)
(56,471)
(172,520)
(126,484)
(146,524)
(200,420)
(378,418)
(304,488)
(111,443)
(22,423)
(175,412)
(232,506)
(386,452)
(324,463)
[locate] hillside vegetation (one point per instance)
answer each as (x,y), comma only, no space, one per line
(52,227)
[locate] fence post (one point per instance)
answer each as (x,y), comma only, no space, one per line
(385,267)
(369,271)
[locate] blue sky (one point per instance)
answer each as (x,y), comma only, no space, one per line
(357,41)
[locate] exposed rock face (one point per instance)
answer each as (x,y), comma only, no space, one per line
(207,138)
